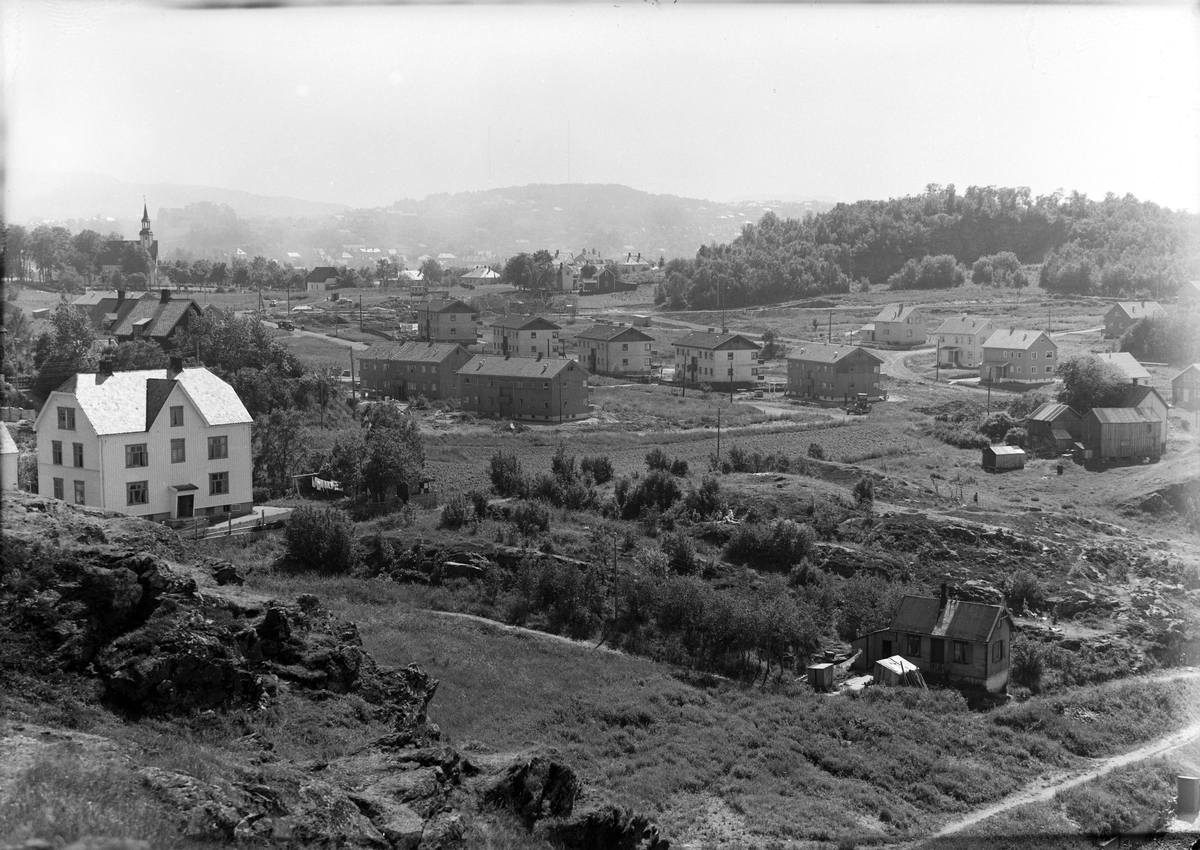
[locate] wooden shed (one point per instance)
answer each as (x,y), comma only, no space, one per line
(1000,458)
(1117,433)
(897,670)
(1053,428)
(820,676)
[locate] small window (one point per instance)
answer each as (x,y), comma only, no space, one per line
(176,415)
(178,453)
(56,452)
(998,651)
(77,453)
(730,356)
(218,448)
(913,647)
(137,492)
(533,334)
(80,497)
(58,488)
(136,455)
(962,652)
(624,346)
(66,418)
(546,385)
(218,483)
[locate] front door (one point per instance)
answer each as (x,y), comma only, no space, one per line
(937,651)
(186,506)
(886,647)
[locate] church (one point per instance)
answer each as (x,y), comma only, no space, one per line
(129,256)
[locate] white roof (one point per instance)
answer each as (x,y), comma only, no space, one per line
(8,446)
(118,404)
(898,664)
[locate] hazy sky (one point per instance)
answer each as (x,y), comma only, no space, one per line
(365,105)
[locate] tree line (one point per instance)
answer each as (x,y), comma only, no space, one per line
(1118,246)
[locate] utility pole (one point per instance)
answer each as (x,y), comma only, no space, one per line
(353,394)
(360,326)
(829,331)
(718,436)
(937,362)
(989,396)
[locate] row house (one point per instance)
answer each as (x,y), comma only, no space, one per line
(447,320)
(526,336)
(161,444)
(833,372)
(615,350)
(720,359)
(1019,356)
(960,341)
(405,370)
(1125,314)
(897,326)
(523,388)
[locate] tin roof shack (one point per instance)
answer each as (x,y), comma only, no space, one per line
(820,677)
(1001,458)
(896,671)
(1053,428)
(966,642)
(833,372)
(1185,388)
(1121,433)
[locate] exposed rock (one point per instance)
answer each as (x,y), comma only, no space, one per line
(536,789)
(605,829)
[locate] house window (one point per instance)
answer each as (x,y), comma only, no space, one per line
(533,334)
(218,448)
(137,492)
(913,646)
(962,652)
(136,455)
(177,416)
(624,346)
(80,498)
(546,385)
(58,488)
(1049,355)
(998,651)
(66,418)
(1033,355)
(178,454)
(218,483)
(77,453)
(56,452)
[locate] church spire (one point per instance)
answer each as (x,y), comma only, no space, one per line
(145,214)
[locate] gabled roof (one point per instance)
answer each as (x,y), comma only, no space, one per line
(969,621)
(1127,364)
(1004,450)
(1122,415)
(1138,309)
(320,274)
(820,352)
(128,402)
(8,446)
(1195,367)
(1014,338)
(1189,289)
(1052,411)
(716,341)
(1137,394)
(525,323)
(416,352)
(483,273)
(896,313)
(965,325)
(516,367)
(445,305)
(154,317)
(99,296)
(610,333)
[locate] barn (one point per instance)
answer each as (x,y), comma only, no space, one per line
(1053,428)
(1001,458)
(1119,433)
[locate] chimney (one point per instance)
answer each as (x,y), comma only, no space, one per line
(944,597)
(106,368)
(176,366)
(120,295)
(164,296)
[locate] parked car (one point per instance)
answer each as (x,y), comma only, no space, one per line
(285,325)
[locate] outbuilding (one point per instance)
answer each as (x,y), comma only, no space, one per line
(1121,433)
(1185,388)
(9,454)
(1001,458)
(1052,428)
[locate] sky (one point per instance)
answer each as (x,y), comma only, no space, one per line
(365,105)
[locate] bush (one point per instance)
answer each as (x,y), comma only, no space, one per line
(1028,664)
(457,512)
(657,492)
(321,538)
(864,492)
(996,425)
(815,451)
(507,479)
(778,545)
(656,458)
(681,552)
(530,519)
(679,467)
(599,467)
(1016,437)
(705,500)
(479,501)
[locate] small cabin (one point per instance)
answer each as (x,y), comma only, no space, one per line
(1001,458)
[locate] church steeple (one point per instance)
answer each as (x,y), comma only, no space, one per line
(145,216)
(146,235)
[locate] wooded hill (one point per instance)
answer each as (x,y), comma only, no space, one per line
(1115,247)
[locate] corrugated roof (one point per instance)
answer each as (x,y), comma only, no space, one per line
(119,403)
(1005,450)
(419,352)
(1122,415)
(897,664)
(1127,364)
(971,621)
(968,325)
(525,323)
(607,333)
(1136,395)
(1014,338)
(716,341)
(8,446)
(1051,411)
(516,367)
(820,352)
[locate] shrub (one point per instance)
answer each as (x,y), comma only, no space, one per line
(815,451)
(658,491)
(321,538)
(1024,591)
(779,545)
(479,500)
(1016,437)
(530,519)
(457,512)
(599,467)
(705,500)
(864,492)
(996,425)
(1028,664)
(681,551)
(656,458)
(506,475)
(679,467)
